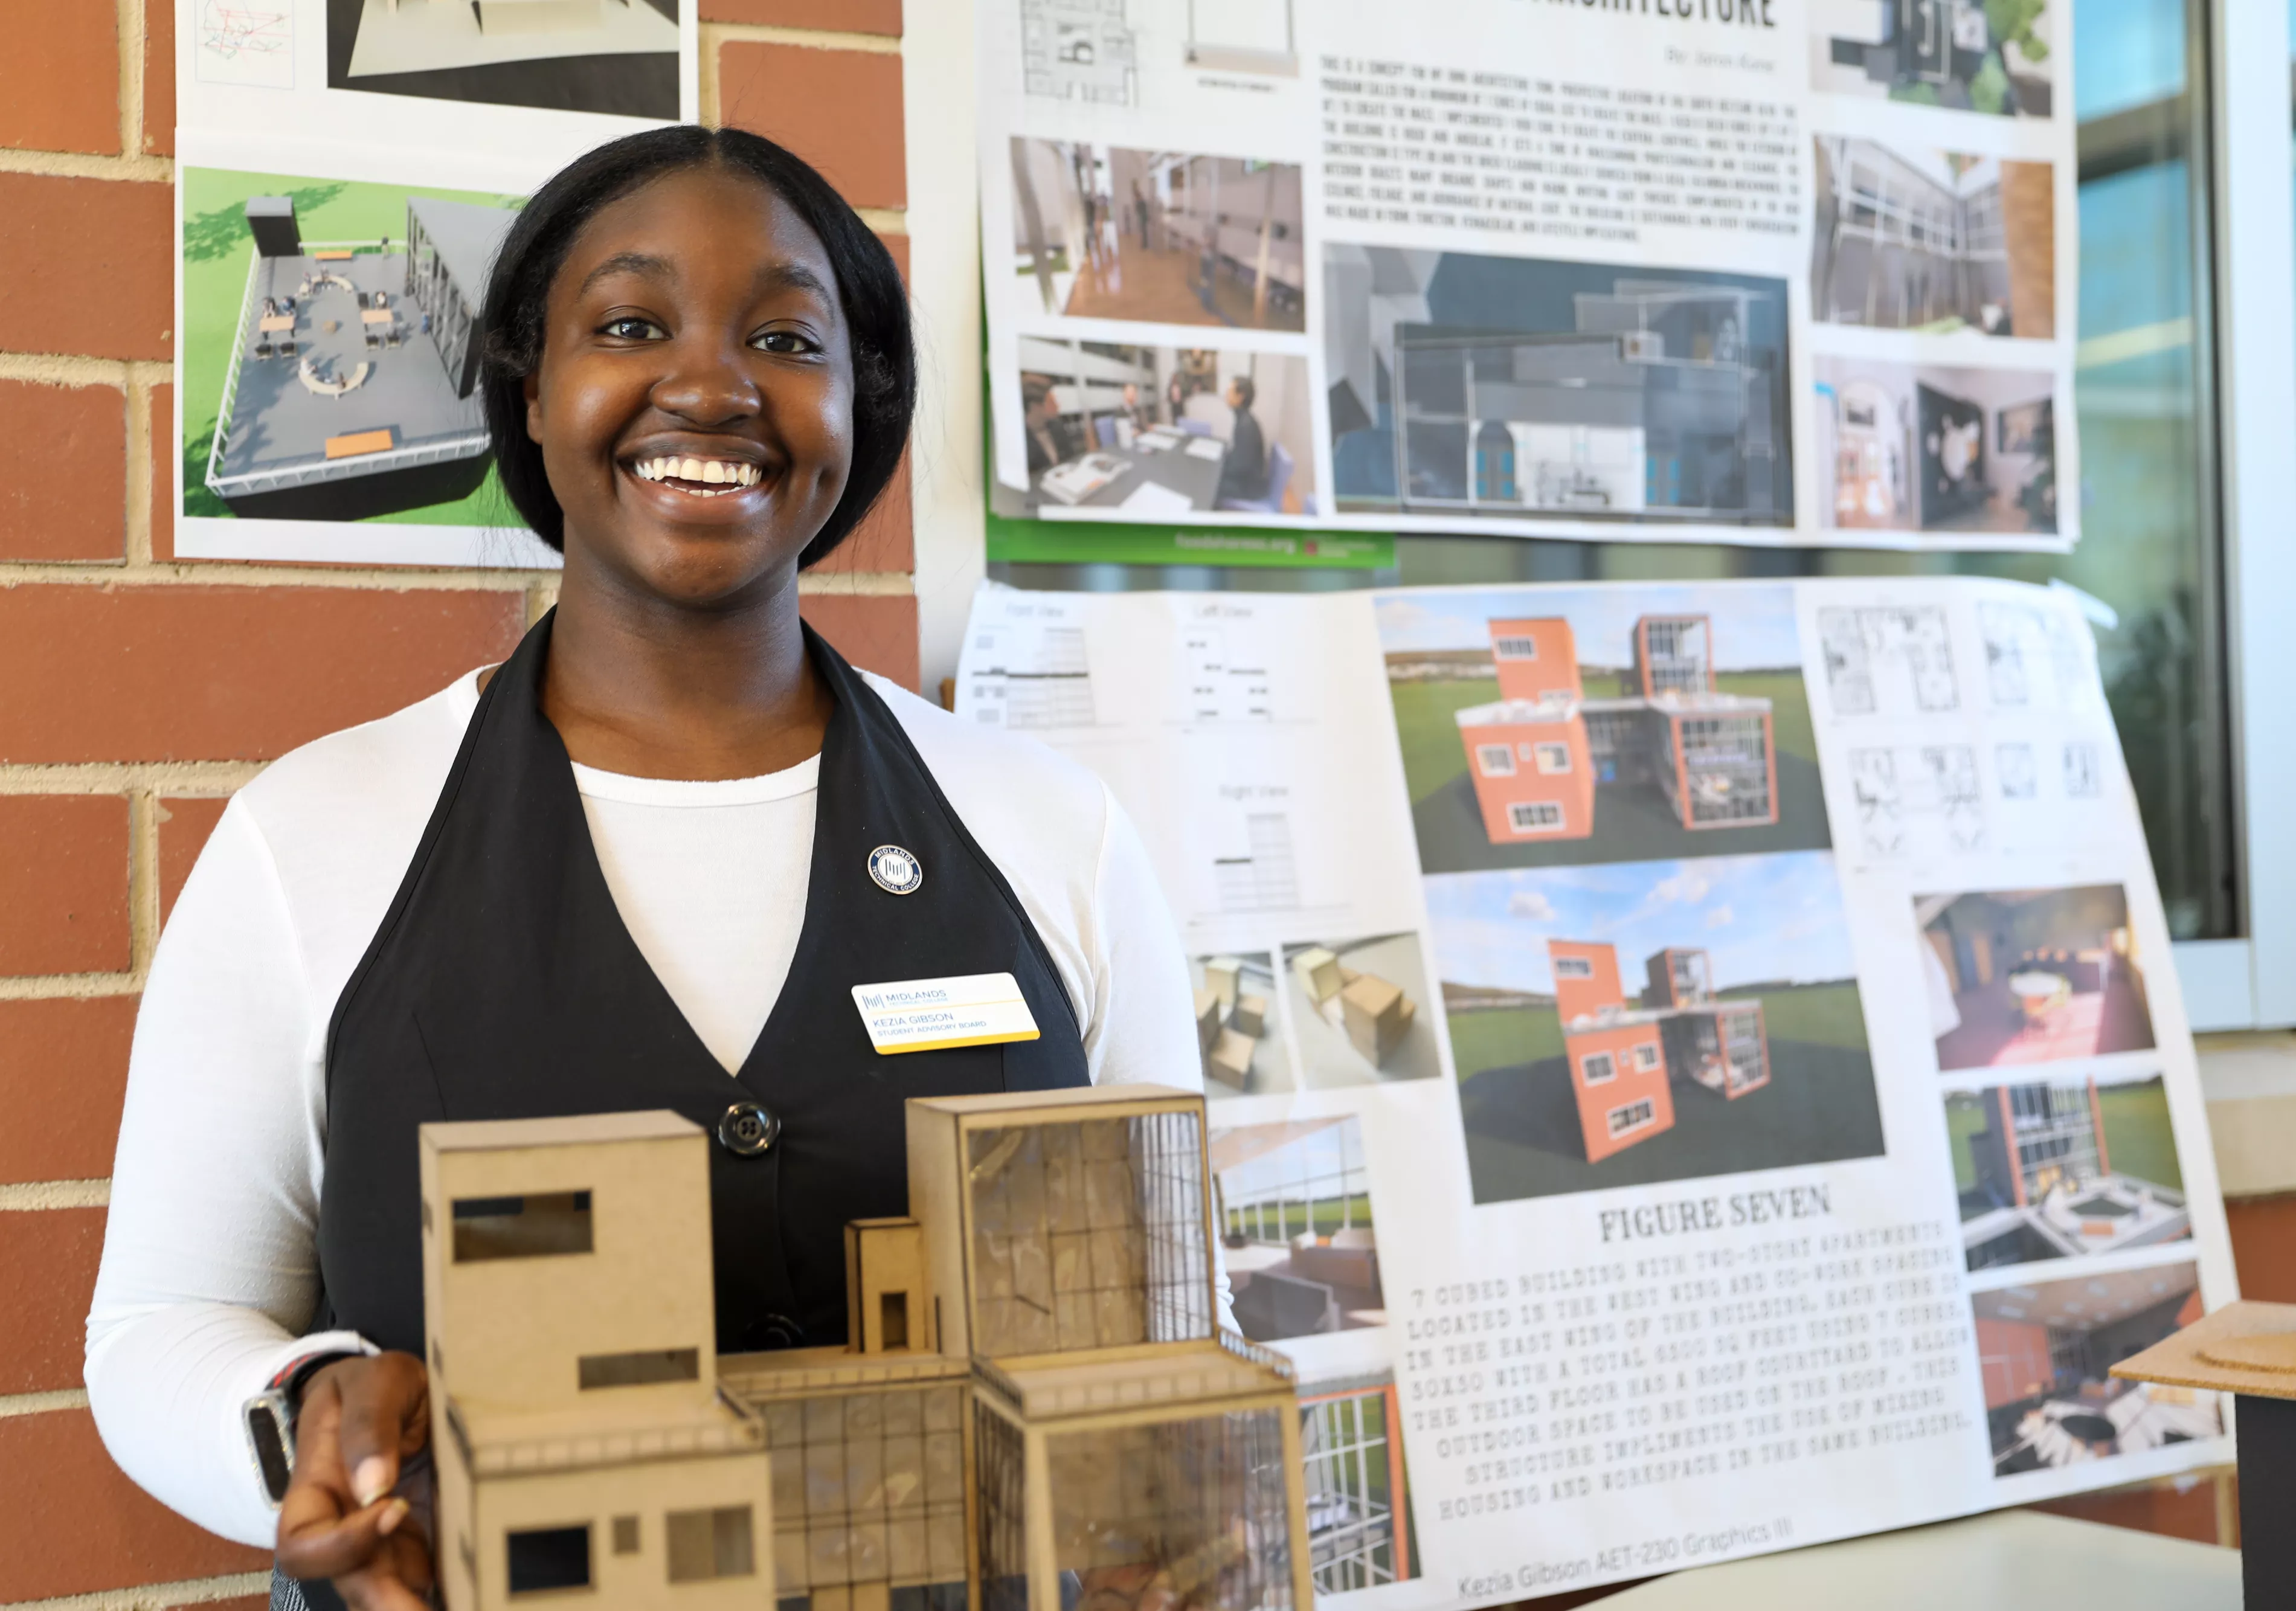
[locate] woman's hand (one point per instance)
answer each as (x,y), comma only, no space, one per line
(361,1421)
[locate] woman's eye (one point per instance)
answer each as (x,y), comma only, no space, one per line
(631,328)
(781,340)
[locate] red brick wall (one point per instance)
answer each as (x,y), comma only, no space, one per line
(140,689)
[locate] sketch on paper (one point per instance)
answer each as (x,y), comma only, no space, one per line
(1078,50)
(1888,661)
(1927,794)
(2033,658)
(244,44)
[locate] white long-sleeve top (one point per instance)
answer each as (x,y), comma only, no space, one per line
(211,1265)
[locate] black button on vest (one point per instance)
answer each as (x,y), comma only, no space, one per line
(504,985)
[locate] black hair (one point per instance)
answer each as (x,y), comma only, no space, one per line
(1243,383)
(869,290)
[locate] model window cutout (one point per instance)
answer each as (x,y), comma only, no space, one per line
(893,1319)
(1573,967)
(1515,648)
(626,1536)
(1496,759)
(1634,1115)
(537,1225)
(1597,1067)
(546,1559)
(1534,815)
(706,1544)
(642,1368)
(1553,758)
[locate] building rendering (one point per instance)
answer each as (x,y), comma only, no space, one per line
(2045,1185)
(353,385)
(1035,1387)
(1625,1059)
(1924,239)
(1537,753)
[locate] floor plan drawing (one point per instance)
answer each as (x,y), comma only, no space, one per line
(1916,794)
(2033,658)
(1888,661)
(1079,50)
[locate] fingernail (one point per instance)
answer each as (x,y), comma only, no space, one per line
(371,1480)
(393,1514)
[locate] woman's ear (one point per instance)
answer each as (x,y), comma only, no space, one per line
(531,387)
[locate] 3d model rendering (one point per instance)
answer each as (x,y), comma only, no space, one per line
(1537,753)
(1035,1390)
(2047,1185)
(1625,1059)
(352,388)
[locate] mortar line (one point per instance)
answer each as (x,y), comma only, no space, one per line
(154,1597)
(40,1403)
(131,76)
(69,987)
(78,369)
(186,779)
(140,466)
(142,876)
(88,165)
(46,1197)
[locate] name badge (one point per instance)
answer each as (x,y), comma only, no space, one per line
(934,1014)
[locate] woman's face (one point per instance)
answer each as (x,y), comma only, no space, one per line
(694,398)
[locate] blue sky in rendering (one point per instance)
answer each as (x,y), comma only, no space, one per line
(1753,625)
(1760,918)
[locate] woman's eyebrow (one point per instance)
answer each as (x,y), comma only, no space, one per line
(631,262)
(793,276)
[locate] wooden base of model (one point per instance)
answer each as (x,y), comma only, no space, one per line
(1036,1388)
(2248,1349)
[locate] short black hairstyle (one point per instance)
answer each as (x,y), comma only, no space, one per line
(869,289)
(1243,383)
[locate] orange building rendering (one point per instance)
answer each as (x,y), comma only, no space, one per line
(1617,1057)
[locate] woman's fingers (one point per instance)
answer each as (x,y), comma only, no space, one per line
(358,1418)
(383,1408)
(318,1545)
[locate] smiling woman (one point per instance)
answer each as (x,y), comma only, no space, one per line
(642,864)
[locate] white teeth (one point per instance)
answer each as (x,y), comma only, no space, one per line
(727,476)
(713,472)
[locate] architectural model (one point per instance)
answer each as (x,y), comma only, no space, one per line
(1625,1059)
(1373,1013)
(1035,1392)
(1230,1022)
(352,388)
(1537,753)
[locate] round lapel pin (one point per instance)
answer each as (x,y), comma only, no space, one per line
(896,871)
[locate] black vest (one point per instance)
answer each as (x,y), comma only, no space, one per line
(504,985)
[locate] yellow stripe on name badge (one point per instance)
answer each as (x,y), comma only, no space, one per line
(935,1014)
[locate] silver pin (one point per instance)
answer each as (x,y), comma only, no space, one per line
(896,870)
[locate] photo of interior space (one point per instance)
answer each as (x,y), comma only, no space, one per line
(2046,1352)
(1908,447)
(2021,976)
(1106,232)
(1917,238)
(615,56)
(1163,431)
(1293,1205)
(2063,1169)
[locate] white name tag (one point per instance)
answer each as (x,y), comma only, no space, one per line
(932,1014)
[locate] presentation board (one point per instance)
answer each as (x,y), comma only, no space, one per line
(1694,1069)
(1788,272)
(345,169)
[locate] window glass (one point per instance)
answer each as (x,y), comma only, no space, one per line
(2149,554)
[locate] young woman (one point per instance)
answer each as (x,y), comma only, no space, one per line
(641,863)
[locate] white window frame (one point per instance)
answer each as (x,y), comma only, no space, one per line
(1486,752)
(1516,824)
(1646,1056)
(2250,982)
(1546,748)
(1610,1062)
(1649,1118)
(1528,651)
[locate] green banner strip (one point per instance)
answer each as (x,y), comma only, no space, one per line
(1091,542)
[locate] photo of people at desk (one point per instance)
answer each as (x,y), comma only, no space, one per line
(1108,232)
(1161,431)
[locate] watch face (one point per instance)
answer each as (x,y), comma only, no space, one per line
(266,1435)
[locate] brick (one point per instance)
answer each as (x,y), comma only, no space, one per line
(62,448)
(882,541)
(82,1526)
(223,673)
(185,825)
(47,1263)
(877,632)
(840,110)
(63,1075)
(2185,1507)
(63,883)
(830,16)
(898,245)
(164,458)
(59,90)
(2264,1245)
(107,247)
(237,1602)
(158,78)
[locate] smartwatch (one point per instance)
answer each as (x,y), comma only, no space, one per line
(269,1418)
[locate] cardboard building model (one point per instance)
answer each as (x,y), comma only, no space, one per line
(1036,1387)
(1230,1022)
(1537,753)
(1373,1013)
(1625,1060)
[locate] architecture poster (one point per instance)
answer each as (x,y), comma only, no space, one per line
(1694,1069)
(1764,271)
